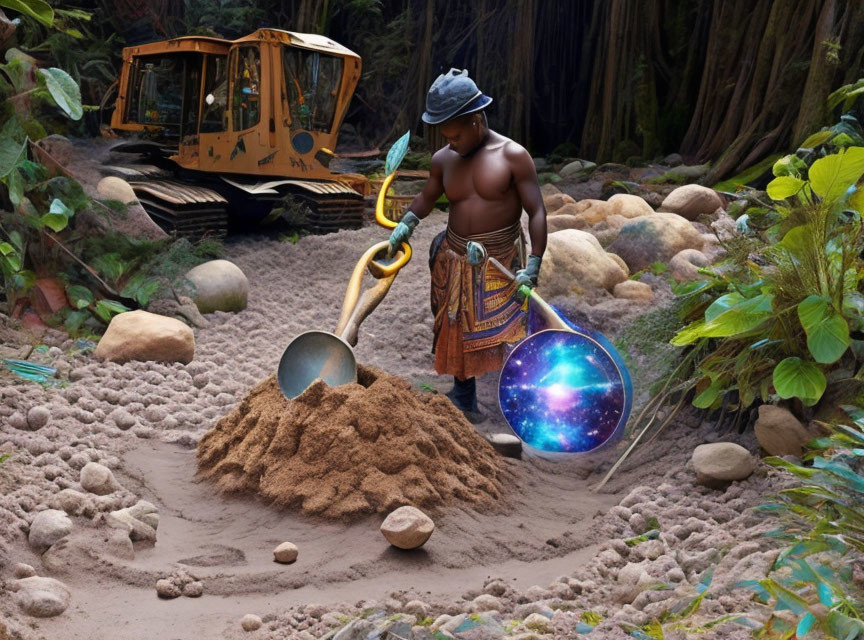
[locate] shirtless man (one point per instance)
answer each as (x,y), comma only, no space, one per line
(489,179)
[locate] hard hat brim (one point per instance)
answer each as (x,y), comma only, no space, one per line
(475,104)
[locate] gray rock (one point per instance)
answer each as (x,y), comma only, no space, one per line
(71,501)
(407,528)
(417,608)
(21,570)
(721,462)
(38,417)
(251,622)
(99,479)
(193,589)
(47,528)
(220,285)
(485,602)
(145,512)
(673,160)
(134,528)
(286,553)
(167,589)
(41,597)
(506,444)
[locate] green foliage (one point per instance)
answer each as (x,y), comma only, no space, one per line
(5,457)
(36,9)
(777,317)
(821,521)
(227,18)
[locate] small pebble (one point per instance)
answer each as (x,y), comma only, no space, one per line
(286,553)
(250,622)
(167,589)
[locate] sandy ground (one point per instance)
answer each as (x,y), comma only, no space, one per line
(548,525)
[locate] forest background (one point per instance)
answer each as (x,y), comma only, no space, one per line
(730,82)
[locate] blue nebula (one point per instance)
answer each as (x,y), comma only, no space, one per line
(565,392)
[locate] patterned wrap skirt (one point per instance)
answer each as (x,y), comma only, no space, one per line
(477,315)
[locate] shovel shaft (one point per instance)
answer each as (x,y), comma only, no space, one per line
(553,320)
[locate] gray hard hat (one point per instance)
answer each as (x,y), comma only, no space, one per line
(453,94)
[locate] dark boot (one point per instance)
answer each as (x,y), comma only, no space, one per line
(464,396)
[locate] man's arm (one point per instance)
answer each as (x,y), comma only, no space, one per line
(525,179)
(425,201)
(420,206)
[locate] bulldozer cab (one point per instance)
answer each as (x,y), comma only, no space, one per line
(268,104)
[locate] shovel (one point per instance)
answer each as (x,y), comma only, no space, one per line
(563,389)
(329,356)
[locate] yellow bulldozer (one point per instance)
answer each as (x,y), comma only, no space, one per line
(238,129)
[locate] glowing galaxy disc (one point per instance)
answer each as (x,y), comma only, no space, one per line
(565,391)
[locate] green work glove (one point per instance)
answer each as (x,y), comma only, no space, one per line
(402,232)
(528,275)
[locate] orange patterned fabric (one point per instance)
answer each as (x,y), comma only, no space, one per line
(476,312)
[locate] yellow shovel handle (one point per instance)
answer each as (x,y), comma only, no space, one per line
(352,293)
(380,218)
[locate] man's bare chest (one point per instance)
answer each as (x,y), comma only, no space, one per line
(488,177)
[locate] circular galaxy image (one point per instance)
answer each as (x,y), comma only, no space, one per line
(564,392)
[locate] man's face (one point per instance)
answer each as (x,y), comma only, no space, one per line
(460,134)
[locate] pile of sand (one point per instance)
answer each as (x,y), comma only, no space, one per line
(345,451)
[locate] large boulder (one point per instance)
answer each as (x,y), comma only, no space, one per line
(691,201)
(220,285)
(559,223)
(556,201)
(47,528)
(779,432)
(719,463)
(593,211)
(629,206)
(134,221)
(140,335)
(41,597)
(407,528)
(654,238)
(574,261)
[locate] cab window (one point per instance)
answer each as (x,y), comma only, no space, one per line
(214,114)
(312,81)
(245,98)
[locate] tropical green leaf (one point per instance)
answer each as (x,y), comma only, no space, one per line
(815,139)
(105,309)
(11,153)
(796,378)
(37,9)
(6,248)
(80,296)
(397,153)
(827,331)
(64,90)
(784,187)
(58,216)
(832,175)
(797,239)
(856,200)
(16,187)
(805,624)
(798,470)
(708,396)
(733,314)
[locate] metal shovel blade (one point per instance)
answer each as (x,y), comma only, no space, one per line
(315,354)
